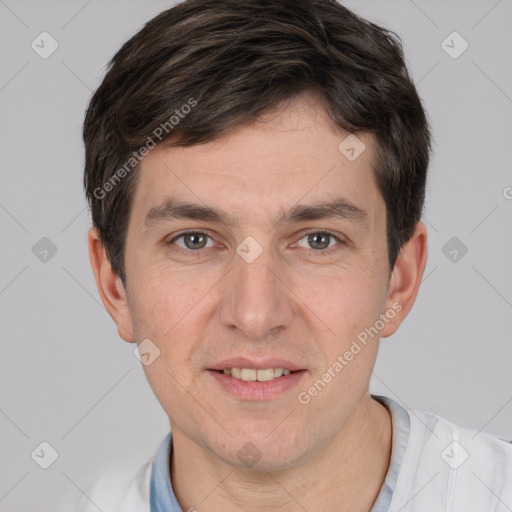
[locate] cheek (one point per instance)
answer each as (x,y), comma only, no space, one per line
(164,314)
(164,297)
(345,301)
(170,309)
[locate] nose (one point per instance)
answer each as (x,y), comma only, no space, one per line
(257,300)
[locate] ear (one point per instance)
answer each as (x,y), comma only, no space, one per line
(110,287)
(406,279)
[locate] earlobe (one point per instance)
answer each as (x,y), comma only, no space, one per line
(110,287)
(406,279)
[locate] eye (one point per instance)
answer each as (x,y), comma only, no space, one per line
(321,241)
(192,240)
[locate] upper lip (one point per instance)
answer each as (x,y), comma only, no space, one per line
(258,364)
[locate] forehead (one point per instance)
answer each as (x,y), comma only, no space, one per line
(289,156)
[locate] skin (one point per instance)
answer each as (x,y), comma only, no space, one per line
(332,453)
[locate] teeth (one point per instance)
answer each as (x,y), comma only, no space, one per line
(251,374)
(263,375)
(278,372)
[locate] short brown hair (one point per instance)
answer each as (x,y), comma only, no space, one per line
(238,59)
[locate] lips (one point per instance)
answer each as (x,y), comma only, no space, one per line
(256,364)
(256,390)
(253,379)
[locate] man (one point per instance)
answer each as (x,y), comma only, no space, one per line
(256,172)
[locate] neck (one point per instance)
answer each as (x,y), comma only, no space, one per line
(346,475)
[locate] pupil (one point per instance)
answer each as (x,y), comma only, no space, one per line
(314,236)
(193,237)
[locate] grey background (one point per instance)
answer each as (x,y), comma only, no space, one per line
(68,379)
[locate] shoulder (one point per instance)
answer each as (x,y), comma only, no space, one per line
(457,468)
(118,490)
(477,447)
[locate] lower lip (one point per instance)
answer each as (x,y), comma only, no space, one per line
(256,390)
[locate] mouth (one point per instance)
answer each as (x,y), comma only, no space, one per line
(252,381)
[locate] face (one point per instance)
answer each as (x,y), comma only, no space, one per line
(255,272)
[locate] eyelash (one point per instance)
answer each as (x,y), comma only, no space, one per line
(197,253)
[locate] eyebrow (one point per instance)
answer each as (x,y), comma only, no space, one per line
(172,210)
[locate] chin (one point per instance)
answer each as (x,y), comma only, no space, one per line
(266,451)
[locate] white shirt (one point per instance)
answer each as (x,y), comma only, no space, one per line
(436,466)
